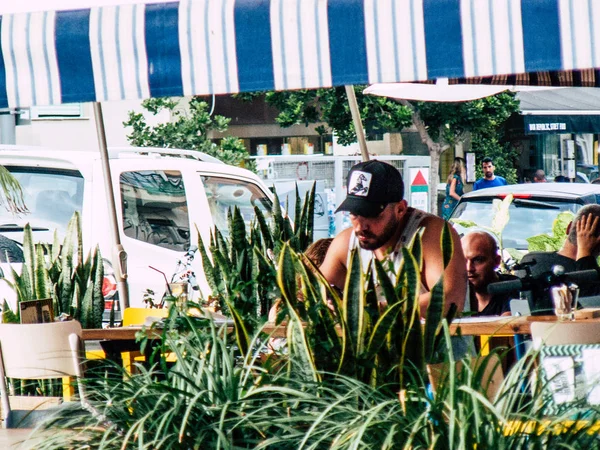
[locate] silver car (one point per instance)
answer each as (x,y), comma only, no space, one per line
(532,212)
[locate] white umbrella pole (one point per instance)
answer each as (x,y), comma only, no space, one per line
(358,127)
(119,256)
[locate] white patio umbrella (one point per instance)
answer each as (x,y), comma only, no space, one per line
(62,51)
(442,91)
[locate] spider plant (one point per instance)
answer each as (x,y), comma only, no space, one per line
(215,397)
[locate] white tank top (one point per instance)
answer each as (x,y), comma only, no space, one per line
(411,227)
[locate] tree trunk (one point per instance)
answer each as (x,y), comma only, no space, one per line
(435,151)
(433,177)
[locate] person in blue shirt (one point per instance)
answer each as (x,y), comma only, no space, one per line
(489,179)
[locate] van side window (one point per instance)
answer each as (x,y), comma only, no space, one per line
(155,208)
(224,193)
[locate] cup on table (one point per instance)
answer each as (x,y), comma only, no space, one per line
(565,299)
(180,291)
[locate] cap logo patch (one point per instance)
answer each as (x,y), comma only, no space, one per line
(359,183)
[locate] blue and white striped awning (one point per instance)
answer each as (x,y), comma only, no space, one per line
(227,46)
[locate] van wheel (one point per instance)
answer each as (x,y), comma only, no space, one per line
(10,251)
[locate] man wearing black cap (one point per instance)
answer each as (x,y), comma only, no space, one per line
(382,222)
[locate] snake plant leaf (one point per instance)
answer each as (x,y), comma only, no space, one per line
(288,234)
(412,345)
(223,246)
(286,275)
(433,321)
(86,315)
(501,215)
(209,269)
(238,231)
(315,295)
(371,300)
(67,285)
(29,254)
(412,274)
(447,245)
(277,224)
(8,316)
(97,297)
(416,248)
(440,338)
(385,284)
(383,326)
(23,284)
(354,298)
(265,231)
(55,249)
(302,363)
(241,333)
(42,282)
(298,216)
(310,215)
(11,193)
(298,347)
(77,219)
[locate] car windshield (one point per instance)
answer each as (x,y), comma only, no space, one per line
(51,197)
(527,217)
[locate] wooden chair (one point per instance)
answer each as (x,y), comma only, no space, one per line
(564,333)
(38,351)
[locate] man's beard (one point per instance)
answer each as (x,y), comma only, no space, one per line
(378,241)
(489,174)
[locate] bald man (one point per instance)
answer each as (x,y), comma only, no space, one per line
(483,260)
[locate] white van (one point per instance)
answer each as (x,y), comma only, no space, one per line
(161,196)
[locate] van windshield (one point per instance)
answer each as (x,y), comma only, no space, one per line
(51,196)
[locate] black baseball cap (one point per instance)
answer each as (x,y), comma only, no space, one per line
(371,186)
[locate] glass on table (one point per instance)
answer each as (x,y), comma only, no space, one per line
(564,298)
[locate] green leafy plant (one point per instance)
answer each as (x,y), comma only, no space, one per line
(215,397)
(500,218)
(241,271)
(60,272)
(374,345)
(554,241)
(189,129)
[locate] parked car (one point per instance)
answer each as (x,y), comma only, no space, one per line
(590,171)
(532,212)
(162,197)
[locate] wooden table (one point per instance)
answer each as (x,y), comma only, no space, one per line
(468,327)
(508,325)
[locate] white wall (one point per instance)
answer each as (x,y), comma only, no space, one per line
(80,133)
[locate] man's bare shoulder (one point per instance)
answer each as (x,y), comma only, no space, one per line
(432,231)
(334,265)
(339,245)
(434,223)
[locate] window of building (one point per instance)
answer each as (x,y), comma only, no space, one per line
(65,111)
(155,208)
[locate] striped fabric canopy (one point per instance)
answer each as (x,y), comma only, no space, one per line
(227,46)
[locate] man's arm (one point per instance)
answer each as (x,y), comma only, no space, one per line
(455,275)
(334,265)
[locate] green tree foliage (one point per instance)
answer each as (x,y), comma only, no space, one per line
(331,107)
(440,125)
(188,130)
